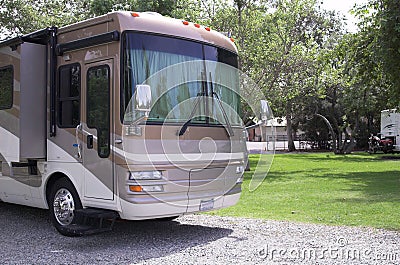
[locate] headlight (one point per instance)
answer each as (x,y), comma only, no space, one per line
(145,175)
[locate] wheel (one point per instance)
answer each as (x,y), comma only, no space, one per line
(63,200)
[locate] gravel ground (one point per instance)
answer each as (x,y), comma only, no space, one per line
(27,237)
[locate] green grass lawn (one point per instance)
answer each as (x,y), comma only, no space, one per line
(357,189)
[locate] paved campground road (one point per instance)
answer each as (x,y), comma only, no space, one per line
(27,237)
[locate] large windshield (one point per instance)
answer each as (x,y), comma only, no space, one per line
(179,72)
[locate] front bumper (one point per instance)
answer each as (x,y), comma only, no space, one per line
(131,211)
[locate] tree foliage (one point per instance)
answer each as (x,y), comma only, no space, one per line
(380,28)
(101,7)
(280,44)
(23,16)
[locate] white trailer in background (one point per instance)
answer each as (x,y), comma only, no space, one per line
(390,127)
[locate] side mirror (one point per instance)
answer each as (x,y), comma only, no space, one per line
(143,98)
(140,110)
(266,112)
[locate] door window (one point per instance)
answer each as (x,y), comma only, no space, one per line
(6,87)
(98,106)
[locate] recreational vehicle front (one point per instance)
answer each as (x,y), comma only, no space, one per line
(129,115)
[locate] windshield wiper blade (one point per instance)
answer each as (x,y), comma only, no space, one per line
(184,127)
(228,127)
(186,124)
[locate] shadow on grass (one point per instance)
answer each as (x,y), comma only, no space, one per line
(289,175)
(377,186)
(390,157)
(349,158)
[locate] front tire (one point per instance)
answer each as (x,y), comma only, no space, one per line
(63,201)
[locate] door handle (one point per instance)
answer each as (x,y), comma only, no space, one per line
(89,141)
(78,144)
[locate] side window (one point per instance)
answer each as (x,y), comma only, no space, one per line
(6,87)
(69,95)
(98,106)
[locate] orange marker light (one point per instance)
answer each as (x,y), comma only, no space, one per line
(134,14)
(208,28)
(197,25)
(185,23)
(135,188)
(232,40)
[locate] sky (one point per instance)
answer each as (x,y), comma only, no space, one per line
(344,6)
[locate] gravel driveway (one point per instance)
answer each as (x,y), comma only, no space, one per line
(27,237)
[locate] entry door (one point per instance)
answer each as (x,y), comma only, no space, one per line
(97,130)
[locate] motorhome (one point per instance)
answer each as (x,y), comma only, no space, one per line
(91,127)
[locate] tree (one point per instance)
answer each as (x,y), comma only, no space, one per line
(19,17)
(279,45)
(287,65)
(357,86)
(164,7)
(388,20)
(380,25)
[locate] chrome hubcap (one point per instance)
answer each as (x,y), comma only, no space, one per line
(64,206)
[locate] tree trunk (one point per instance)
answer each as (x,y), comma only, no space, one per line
(348,147)
(289,131)
(333,134)
(240,6)
(370,118)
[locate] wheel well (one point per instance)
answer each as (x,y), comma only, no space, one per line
(53,178)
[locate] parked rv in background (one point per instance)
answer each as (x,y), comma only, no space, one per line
(69,141)
(388,140)
(390,127)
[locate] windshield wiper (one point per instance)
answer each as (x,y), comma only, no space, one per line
(186,124)
(228,127)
